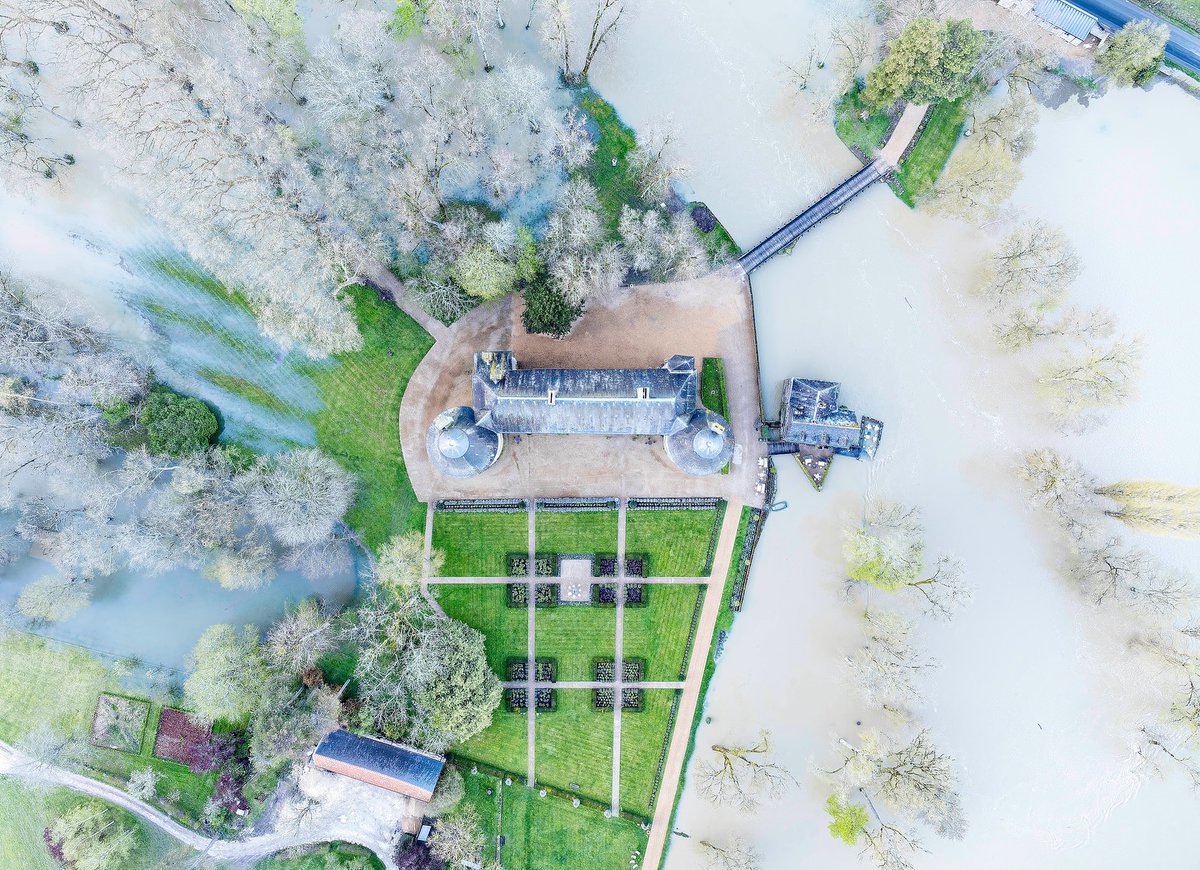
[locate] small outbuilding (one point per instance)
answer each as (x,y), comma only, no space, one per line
(392,766)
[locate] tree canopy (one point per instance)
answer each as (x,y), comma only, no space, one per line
(1134,53)
(930,60)
(228,673)
(176,424)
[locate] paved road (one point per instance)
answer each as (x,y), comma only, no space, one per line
(1183,48)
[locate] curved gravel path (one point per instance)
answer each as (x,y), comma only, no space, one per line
(16,764)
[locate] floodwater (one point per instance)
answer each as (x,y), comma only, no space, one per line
(1037,696)
(158,619)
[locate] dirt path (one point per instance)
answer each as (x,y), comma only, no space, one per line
(16,764)
(677,756)
(910,122)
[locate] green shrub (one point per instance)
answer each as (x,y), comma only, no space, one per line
(176,424)
(547,312)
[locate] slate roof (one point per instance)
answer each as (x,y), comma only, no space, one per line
(704,446)
(810,415)
(458,447)
(1066,17)
(509,399)
(398,768)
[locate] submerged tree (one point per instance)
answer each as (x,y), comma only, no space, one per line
(978,178)
(887,666)
(54,598)
(741,776)
(888,552)
(736,855)
(556,32)
(1099,376)
(1110,571)
(1034,264)
(1155,506)
(1060,485)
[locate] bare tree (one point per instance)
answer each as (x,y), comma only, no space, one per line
(654,164)
(977,180)
(911,777)
(556,32)
(458,838)
(401,564)
(1061,486)
(1156,747)
(54,598)
(1035,261)
(1110,571)
(1010,124)
(737,855)
(888,552)
(301,636)
(888,665)
(741,776)
(1017,327)
(1099,376)
(300,495)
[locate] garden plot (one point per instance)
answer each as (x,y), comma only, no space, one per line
(574,747)
(477,544)
(120,722)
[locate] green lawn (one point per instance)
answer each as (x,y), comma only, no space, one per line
(574,636)
(676,541)
(358,424)
(26,812)
(920,169)
(505,629)
(189,273)
(502,745)
(42,682)
(609,168)
(582,532)
(866,135)
(712,386)
(327,856)
(547,833)
(725,618)
(475,792)
(477,544)
(642,737)
(658,632)
(574,746)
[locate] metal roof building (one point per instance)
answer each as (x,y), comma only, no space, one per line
(397,768)
(1068,18)
(508,399)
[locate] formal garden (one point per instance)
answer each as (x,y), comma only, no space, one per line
(575,635)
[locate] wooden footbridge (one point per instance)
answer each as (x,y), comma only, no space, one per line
(829,204)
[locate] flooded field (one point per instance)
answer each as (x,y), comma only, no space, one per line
(1037,696)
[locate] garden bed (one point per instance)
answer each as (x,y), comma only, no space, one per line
(182,738)
(120,722)
(545,564)
(605,594)
(545,595)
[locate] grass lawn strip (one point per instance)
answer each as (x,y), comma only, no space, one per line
(712,386)
(920,169)
(501,745)
(476,544)
(547,833)
(676,541)
(574,636)
(358,424)
(246,389)
(574,746)
(658,633)
(582,532)
(643,736)
(505,629)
